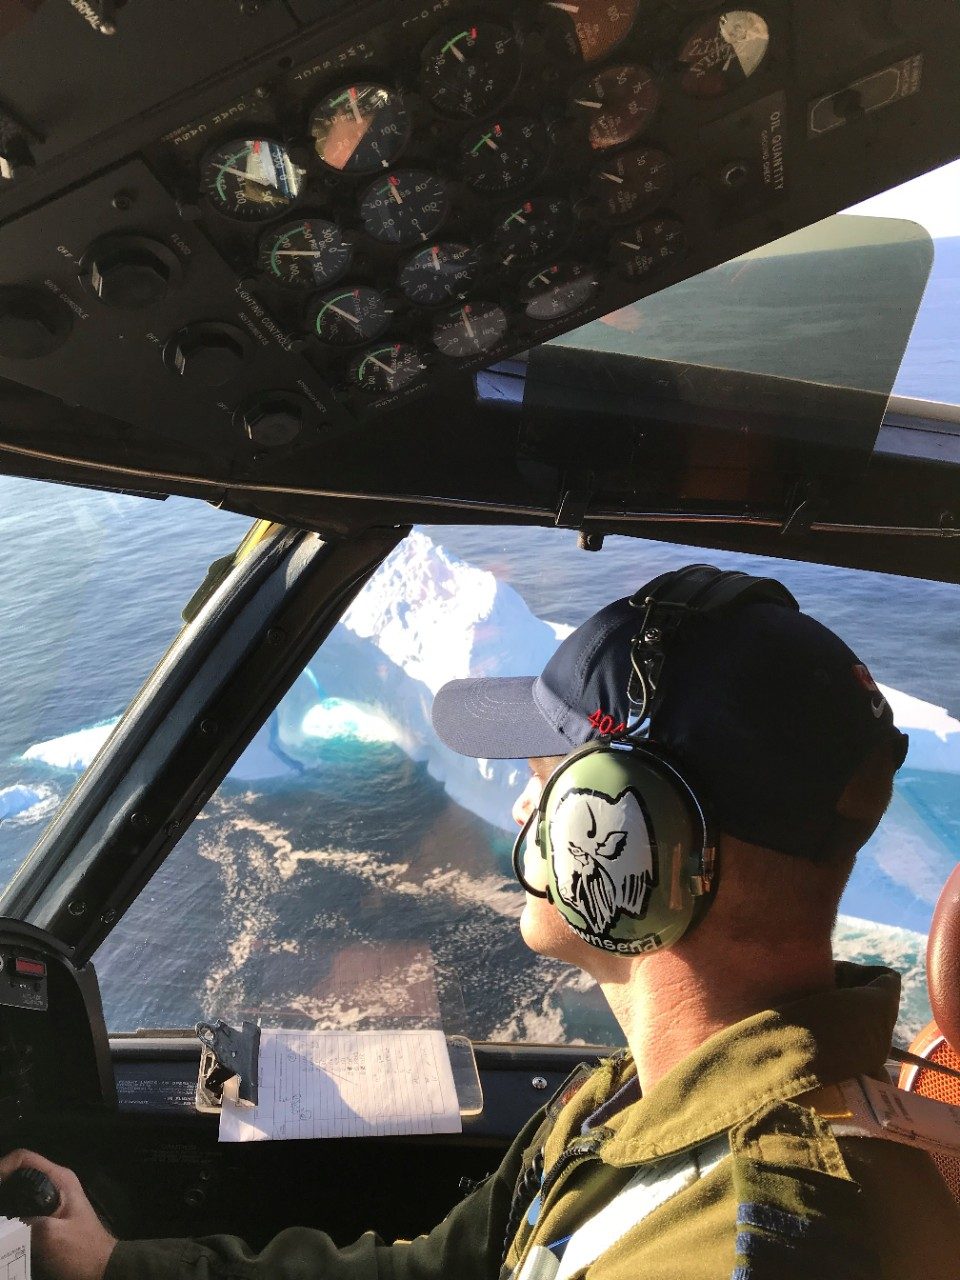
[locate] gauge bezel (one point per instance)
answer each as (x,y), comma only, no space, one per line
(587,125)
(407,262)
(252,135)
(539,163)
(449,312)
(370,349)
(527,302)
(435,45)
(537,252)
(621,261)
(422,237)
(319,303)
(309,215)
(645,204)
(346,171)
(565,26)
(681,68)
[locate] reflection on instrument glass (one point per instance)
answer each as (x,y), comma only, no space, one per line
(388,368)
(631,181)
(360,129)
(347,316)
(723,52)
(469,70)
(559,290)
(594,28)
(405,207)
(251,179)
(470,330)
(617,105)
(504,154)
(539,227)
(650,244)
(433,275)
(305,254)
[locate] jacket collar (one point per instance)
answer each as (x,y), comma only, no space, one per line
(779,1053)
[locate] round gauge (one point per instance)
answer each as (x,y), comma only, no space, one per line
(722,52)
(650,244)
(617,105)
(504,154)
(360,129)
(407,206)
(433,275)
(559,290)
(470,330)
(250,178)
(594,28)
(631,181)
(387,369)
(536,228)
(306,253)
(469,70)
(356,314)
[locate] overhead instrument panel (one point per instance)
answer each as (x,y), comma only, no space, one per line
(405,193)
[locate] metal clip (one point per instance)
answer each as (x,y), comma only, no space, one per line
(228,1053)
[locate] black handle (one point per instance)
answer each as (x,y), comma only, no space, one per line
(28,1193)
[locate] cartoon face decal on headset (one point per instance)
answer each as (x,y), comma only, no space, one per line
(619,845)
(604,854)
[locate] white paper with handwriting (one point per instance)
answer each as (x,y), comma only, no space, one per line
(14,1250)
(332,1084)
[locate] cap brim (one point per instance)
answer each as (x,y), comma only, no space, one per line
(495,719)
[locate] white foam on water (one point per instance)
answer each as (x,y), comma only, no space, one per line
(24,803)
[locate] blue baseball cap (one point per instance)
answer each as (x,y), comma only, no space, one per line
(767,711)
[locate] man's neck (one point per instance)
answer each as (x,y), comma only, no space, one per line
(668,1005)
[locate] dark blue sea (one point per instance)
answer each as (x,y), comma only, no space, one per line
(369,849)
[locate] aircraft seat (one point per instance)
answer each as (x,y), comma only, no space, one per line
(939,1041)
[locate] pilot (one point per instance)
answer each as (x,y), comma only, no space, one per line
(695,873)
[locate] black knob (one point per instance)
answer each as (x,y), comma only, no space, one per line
(33,323)
(208,355)
(130,271)
(273,420)
(28,1193)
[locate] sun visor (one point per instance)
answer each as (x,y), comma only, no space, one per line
(782,359)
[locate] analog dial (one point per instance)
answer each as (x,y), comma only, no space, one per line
(306,253)
(251,179)
(349,315)
(652,243)
(504,154)
(535,228)
(387,368)
(405,207)
(472,68)
(631,181)
(593,28)
(433,275)
(360,129)
(722,52)
(470,330)
(559,290)
(617,105)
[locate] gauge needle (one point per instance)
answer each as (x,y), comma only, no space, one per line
(380,365)
(394,191)
(466,323)
(354,108)
(487,140)
(435,254)
(248,177)
(299,253)
(339,311)
(564,8)
(583,102)
(457,53)
(627,244)
(611,177)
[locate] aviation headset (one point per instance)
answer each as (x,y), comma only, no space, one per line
(620,842)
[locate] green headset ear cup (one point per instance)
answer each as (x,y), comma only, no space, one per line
(624,839)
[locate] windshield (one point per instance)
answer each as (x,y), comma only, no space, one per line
(93,588)
(350,863)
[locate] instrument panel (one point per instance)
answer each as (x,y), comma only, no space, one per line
(402,194)
(490,179)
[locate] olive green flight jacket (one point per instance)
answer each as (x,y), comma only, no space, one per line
(782,1198)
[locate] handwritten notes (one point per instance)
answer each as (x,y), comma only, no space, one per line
(331,1084)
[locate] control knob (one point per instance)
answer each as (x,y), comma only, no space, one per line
(272,419)
(130,272)
(33,323)
(206,354)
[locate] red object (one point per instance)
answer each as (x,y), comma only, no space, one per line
(30,968)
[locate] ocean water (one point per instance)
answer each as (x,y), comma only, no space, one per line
(285,887)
